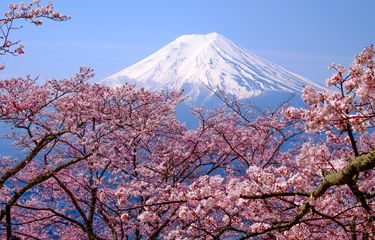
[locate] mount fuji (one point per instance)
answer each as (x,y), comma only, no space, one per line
(196,63)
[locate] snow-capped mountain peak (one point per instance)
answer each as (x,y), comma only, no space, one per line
(195,62)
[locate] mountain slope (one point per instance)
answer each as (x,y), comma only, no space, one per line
(195,62)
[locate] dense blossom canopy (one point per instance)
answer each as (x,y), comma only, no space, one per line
(295,173)
(102,163)
(114,163)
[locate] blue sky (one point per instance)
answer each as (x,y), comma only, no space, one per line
(303,36)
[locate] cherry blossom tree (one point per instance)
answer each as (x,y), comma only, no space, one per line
(239,177)
(74,137)
(67,133)
(114,163)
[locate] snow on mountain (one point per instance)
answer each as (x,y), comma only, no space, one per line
(193,62)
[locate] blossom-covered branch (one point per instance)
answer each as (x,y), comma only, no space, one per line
(32,12)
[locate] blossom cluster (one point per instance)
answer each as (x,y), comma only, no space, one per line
(32,12)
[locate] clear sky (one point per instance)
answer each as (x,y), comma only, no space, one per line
(303,36)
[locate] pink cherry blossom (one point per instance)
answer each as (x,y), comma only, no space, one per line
(115,163)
